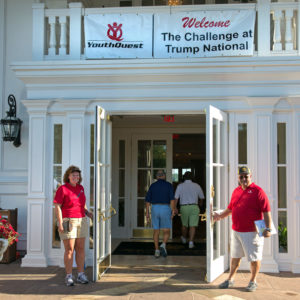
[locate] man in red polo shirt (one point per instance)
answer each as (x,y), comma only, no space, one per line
(248,204)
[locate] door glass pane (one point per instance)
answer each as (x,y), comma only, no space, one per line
(281,143)
(215,135)
(282,232)
(144,154)
(242,143)
(282,187)
(122,183)
(159,154)
(222,142)
(121,211)
(141,213)
(122,154)
(144,181)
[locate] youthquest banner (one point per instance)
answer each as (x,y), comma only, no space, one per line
(118,36)
(204,34)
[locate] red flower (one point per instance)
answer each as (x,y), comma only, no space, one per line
(7,232)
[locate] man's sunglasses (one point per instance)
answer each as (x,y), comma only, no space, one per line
(244,176)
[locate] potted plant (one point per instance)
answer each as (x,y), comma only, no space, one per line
(8,236)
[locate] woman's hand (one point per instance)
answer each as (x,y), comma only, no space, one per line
(60,228)
(89,214)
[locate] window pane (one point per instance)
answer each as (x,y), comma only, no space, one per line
(282,231)
(144,181)
(144,154)
(121,212)
(282,187)
(122,154)
(242,143)
(57,157)
(281,143)
(159,154)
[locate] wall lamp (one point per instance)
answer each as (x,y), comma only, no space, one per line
(11,125)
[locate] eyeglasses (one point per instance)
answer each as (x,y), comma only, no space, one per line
(244,176)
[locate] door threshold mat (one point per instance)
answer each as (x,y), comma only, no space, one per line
(147,248)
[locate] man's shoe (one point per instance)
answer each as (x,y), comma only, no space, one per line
(191,245)
(183,240)
(69,281)
(82,279)
(252,286)
(157,254)
(163,250)
(226,284)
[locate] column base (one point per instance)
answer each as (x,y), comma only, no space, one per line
(268,265)
(34,260)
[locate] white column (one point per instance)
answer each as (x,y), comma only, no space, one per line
(75,141)
(75,30)
(263,28)
(263,166)
(38,31)
(37,185)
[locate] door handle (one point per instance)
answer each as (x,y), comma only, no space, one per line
(112,212)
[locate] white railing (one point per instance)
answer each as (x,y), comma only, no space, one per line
(58,33)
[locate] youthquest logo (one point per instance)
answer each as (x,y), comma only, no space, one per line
(115,33)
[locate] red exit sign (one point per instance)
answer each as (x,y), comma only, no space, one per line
(169,118)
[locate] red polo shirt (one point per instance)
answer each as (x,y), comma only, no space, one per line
(72,200)
(247,206)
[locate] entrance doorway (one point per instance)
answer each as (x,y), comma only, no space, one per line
(189,154)
(140,146)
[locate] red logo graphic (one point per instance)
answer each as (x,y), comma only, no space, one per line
(115,32)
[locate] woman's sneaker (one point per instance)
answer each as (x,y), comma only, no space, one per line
(226,284)
(82,279)
(69,280)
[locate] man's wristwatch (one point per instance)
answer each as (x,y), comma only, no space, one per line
(268,229)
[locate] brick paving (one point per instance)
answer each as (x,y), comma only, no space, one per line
(160,281)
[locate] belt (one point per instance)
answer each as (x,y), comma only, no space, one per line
(188,204)
(161,204)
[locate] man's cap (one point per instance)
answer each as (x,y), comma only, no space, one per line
(244,170)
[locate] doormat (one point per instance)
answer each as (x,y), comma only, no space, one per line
(147,248)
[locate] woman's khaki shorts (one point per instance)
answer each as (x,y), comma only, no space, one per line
(78,229)
(248,244)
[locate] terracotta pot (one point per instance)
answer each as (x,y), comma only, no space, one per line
(3,247)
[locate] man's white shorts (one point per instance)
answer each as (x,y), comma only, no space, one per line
(248,244)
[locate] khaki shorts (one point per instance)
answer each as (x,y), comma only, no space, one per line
(189,215)
(248,244)
(78,229)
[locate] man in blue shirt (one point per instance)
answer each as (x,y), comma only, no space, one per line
(160,195)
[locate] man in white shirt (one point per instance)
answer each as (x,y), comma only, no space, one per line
(189,192)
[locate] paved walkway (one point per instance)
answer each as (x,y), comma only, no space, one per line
(132,282)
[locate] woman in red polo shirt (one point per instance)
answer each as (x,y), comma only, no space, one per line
(71,212)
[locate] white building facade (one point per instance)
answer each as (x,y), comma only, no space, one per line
(57,89)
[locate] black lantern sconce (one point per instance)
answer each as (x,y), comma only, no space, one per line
(11,125)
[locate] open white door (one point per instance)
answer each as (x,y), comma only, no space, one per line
(216,192)
(103,210)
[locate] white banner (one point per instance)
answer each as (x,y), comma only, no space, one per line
(118,36)
(204,34)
